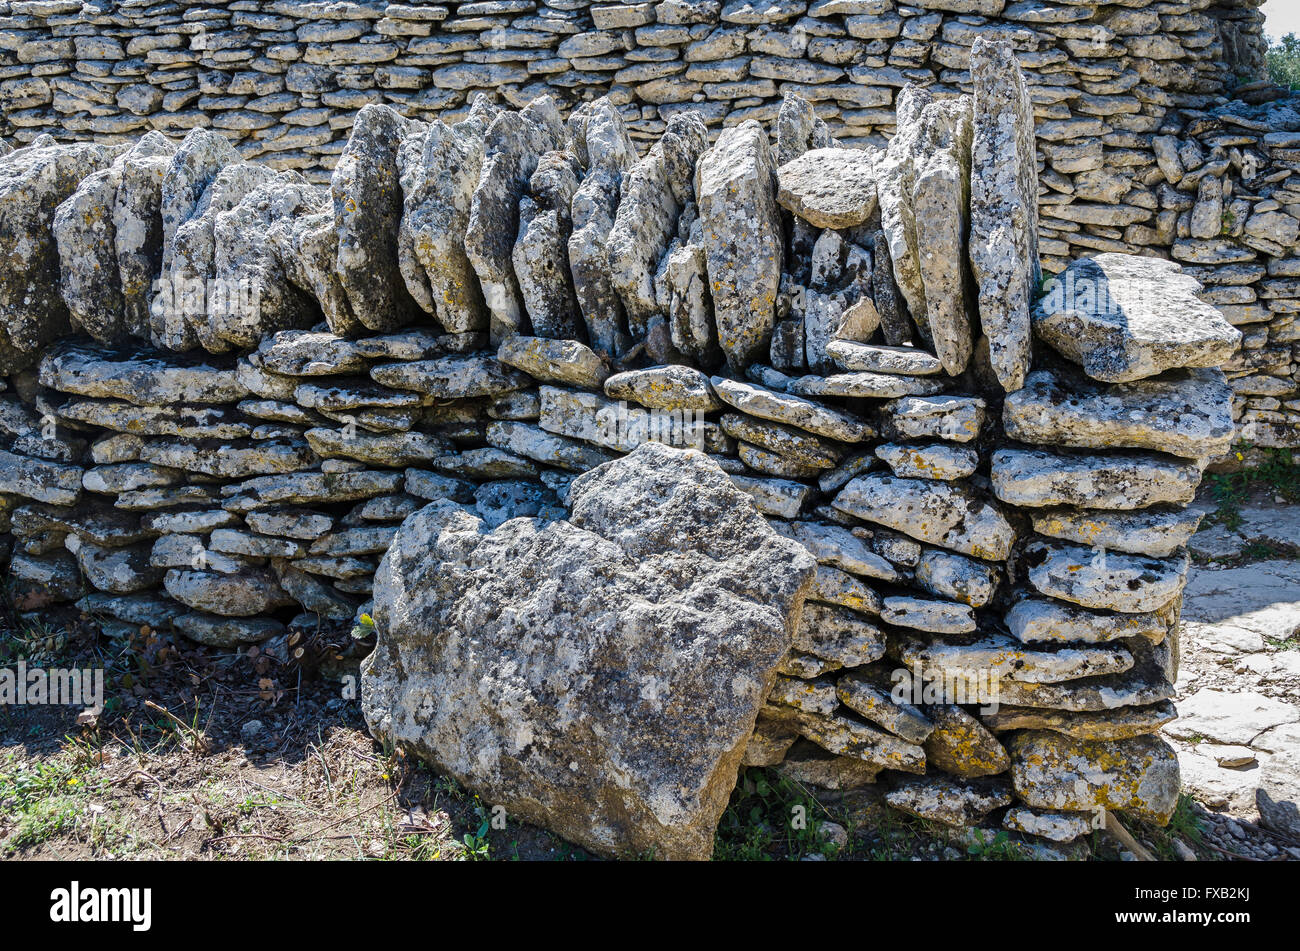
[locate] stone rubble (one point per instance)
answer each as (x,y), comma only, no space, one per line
(961,542)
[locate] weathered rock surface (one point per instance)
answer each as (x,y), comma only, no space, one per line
(1186,414)
(1095,578)
(33,183)
(907,361)
(1155,532)
(951,801)
(960,745)
(742,240)
(1138,776)
(513,143)
(439,168)
(654,194)
(940,513)
(1124,318)
(1123,481)
(1003,208)
(829,188)
(667,387)
(954,418)
(367,199)
(566,362)
(635,527)
(1043,620)
(602,135)
(816,418)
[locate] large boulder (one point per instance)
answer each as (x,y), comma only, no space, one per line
(601,675)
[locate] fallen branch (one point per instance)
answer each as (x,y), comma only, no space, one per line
(1125,838)
(199,741)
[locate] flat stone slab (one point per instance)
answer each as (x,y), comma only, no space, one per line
(797,446)
(864,694)
(39,480)
(308,353)
(957,577)
(941,513)
(453,377)
(1118,724)
(838,635)
(852,356)
(837,547)
(566,362)
(779,498)
(923,614)
(671,387)
(1037,478)
(533,442)
(972,657)
(306,488)
(880,386)
(146,380)
(1123,317)
(848,737)
(1156,532)
(1186,414)
(1003,207)
(954,418)
(1230,717)
(792,410)
(1241,609)
(742,239)
(833,586)
(1046,621)
(829,188)
(1277,525)
(1093,578)
(1053,826)
(933,461)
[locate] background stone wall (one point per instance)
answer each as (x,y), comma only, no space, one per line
(1139,149)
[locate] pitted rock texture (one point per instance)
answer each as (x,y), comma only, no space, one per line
(1126,318)
(561,694)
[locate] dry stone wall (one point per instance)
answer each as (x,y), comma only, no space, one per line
(992,482)
(1139,150)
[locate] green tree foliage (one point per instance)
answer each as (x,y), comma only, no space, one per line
(1284,61)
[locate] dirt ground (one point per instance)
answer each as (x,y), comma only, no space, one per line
(202,754)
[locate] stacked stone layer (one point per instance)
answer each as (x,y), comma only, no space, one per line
(992,485)
(1140,152)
